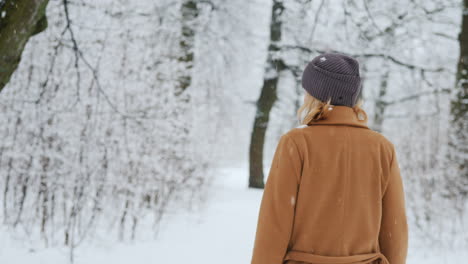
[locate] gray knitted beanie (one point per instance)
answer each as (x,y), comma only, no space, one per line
(333,76)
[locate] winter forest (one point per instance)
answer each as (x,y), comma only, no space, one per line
(132,130)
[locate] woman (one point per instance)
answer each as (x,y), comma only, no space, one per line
(334,193)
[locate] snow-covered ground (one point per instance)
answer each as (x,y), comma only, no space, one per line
(222,232)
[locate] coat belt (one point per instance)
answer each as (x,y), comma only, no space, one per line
(319,259)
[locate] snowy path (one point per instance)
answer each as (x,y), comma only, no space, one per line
(222,233)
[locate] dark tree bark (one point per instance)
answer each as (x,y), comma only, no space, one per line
(267,98)
(459,106)
(19,21)
(189,11)
(380,103)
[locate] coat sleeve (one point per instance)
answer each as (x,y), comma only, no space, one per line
(393,237)
(276,215)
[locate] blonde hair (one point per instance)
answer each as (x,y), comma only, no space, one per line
(313,110)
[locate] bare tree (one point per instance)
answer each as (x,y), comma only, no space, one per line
(189,13)
(268,97)
(459,114)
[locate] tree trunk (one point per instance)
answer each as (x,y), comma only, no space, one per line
(189,12)
(380,103)
(459,139)
(267,98)
(19,20)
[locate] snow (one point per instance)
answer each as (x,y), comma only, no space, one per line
(222,232)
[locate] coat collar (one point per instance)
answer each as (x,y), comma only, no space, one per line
(341,115)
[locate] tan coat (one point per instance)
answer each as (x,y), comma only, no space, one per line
(334,194)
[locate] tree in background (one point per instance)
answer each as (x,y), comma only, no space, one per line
(19,21)
(273,68)
(189,13)
(459,119)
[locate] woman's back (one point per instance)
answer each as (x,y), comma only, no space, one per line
(345,172)
(334,194)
